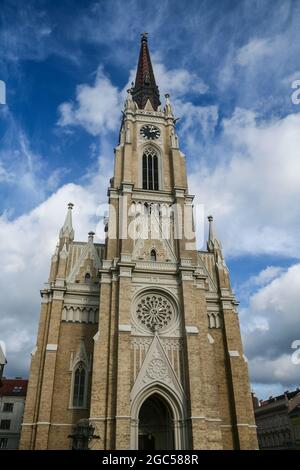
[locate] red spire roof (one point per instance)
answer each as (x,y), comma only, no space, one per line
(145,86)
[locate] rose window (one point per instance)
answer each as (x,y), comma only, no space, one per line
(154,311)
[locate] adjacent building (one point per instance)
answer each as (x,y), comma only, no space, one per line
(140,335)
(2,361)
(12,401)
(278,421)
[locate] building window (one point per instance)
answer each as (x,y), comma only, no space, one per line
(153,255)
(5,424)
(79,386)
(150,170)
(87,278)
(8,407)
(3,442)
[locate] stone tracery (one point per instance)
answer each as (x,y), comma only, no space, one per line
(154,311)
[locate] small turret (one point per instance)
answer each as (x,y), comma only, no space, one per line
(213,243)
(59,259)
(214,246)
(66,233)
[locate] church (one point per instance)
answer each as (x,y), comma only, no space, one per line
(139,336)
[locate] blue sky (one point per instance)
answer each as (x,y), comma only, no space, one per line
(229,67)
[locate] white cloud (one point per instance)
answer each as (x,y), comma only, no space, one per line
(97,107)
(264,277)
(254,185)
(5,176)
(254,50)
(280,370)
(270,324)
(178,82)
(25,251)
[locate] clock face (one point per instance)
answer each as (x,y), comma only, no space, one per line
(150,132)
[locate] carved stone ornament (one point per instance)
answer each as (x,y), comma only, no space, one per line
(157,369)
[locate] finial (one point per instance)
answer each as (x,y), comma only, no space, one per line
(70,205)
(91,236)
(144,37)
(211,234)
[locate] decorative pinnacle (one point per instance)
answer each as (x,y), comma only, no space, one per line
(144,37)
(212,243)
(67,229)
(211,234)
(91,236)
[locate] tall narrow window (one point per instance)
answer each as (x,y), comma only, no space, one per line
(145,172)
(79,386)
(153,255)
(155,173)
(150,170)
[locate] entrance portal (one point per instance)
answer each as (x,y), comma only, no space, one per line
(155,425)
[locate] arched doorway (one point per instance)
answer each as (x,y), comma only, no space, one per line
(156,425)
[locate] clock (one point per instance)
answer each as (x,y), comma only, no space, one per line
(150,132)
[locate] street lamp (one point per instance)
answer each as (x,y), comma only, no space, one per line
(82,435)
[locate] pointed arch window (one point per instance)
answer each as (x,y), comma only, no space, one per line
(150,170)
(87,278)
(153,255)
(79,386)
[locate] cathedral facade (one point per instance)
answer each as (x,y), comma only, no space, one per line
(140,335)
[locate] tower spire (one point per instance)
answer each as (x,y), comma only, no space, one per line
(67,231)
(145,87)
(213,242)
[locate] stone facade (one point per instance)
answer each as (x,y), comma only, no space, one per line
(144,316)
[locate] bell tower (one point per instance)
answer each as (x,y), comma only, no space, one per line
(167,373)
